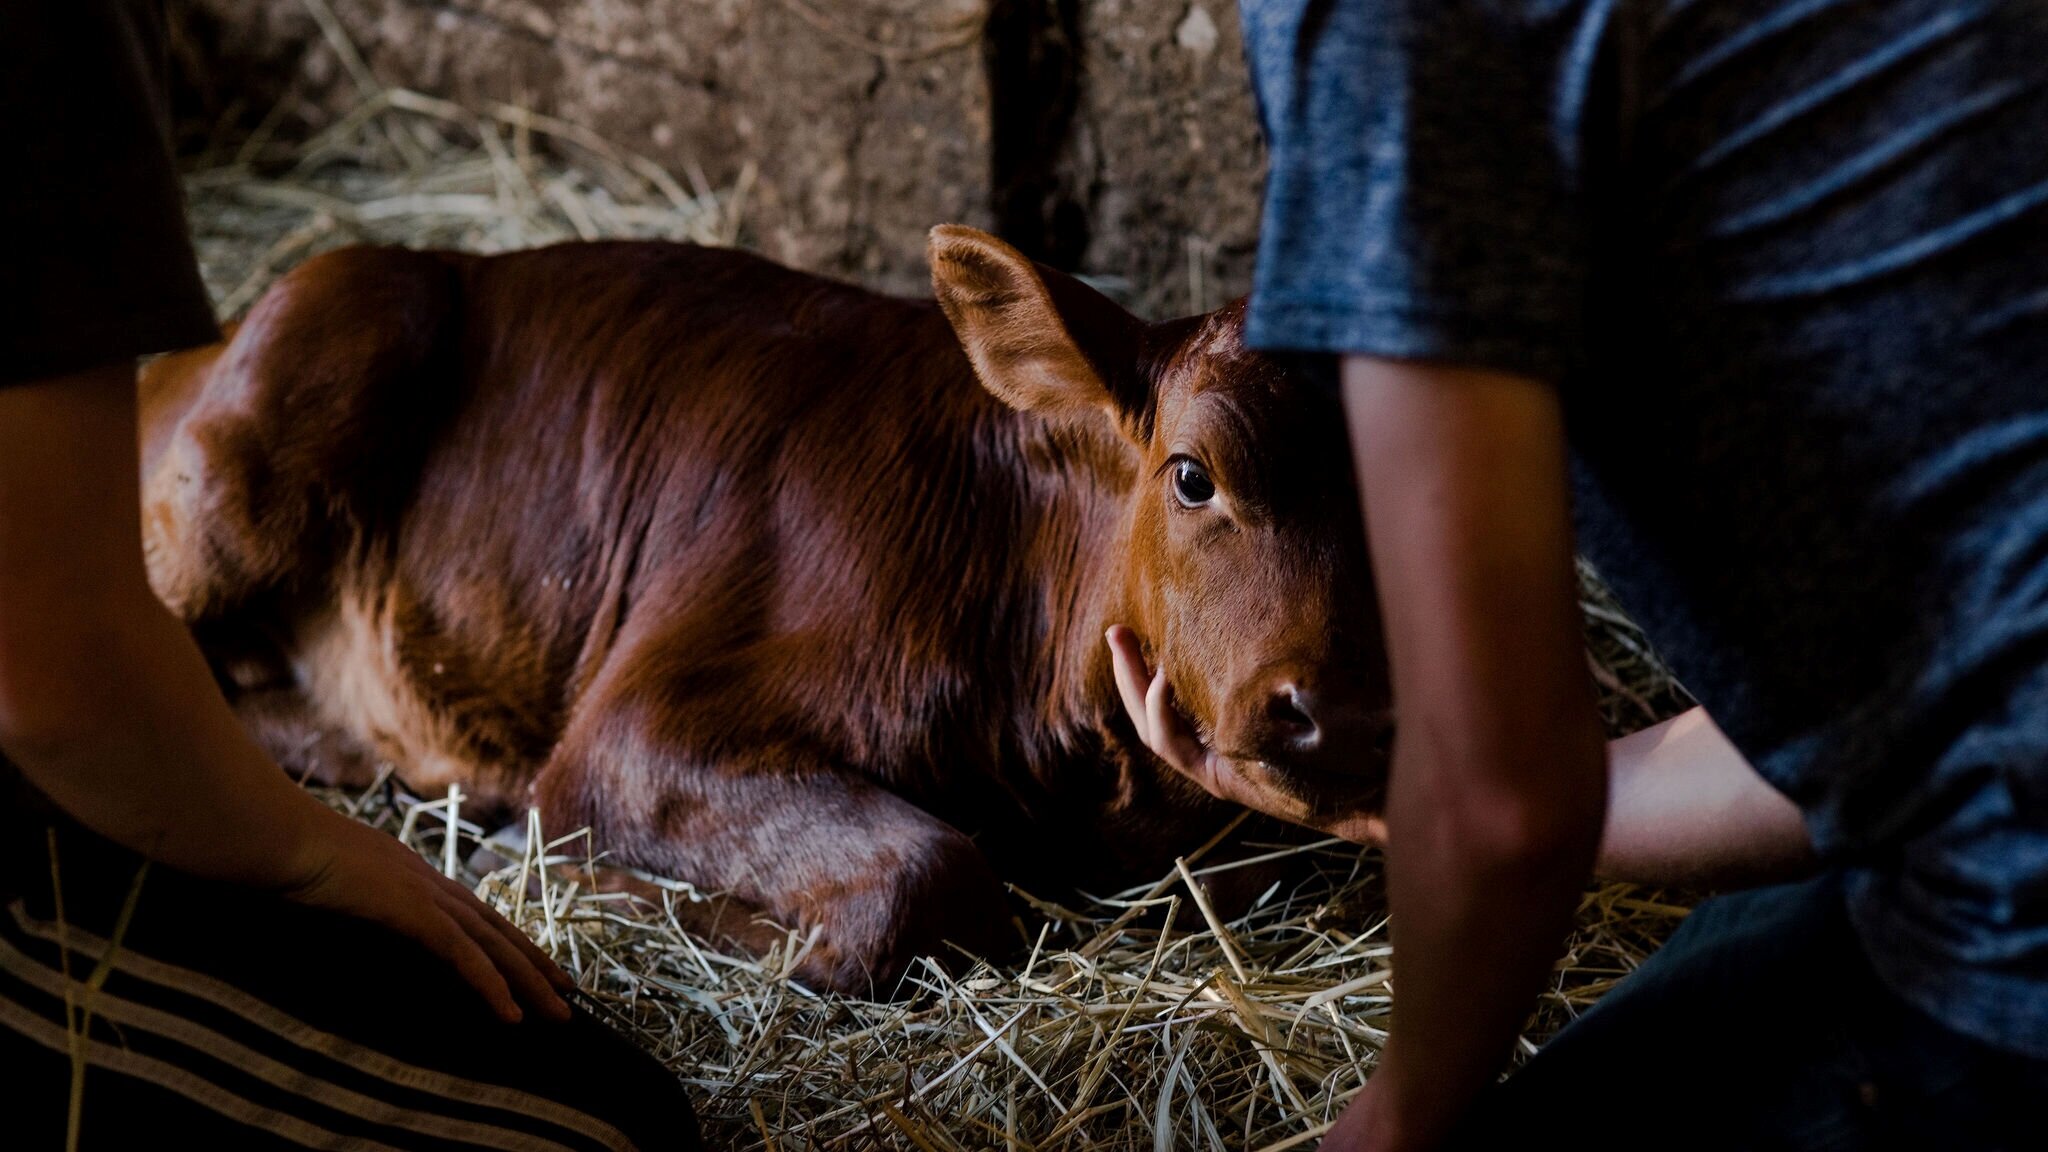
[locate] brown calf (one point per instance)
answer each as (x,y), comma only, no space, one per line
(739,567)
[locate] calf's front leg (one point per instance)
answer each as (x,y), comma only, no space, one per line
(880,881)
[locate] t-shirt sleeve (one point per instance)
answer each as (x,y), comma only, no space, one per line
(97,266)
(1423,194)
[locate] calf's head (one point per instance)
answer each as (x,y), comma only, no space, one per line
(1240,559)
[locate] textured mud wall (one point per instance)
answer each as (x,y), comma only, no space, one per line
(1168,138)
(1114,137)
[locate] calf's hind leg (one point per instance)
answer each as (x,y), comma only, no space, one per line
(262,452)
(880,881)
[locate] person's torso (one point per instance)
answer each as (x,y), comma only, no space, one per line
(1811,440)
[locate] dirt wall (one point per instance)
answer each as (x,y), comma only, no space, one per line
(1112,137)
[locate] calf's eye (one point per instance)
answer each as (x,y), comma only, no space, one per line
(1191,485)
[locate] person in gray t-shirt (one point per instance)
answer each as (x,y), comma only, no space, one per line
(1750,299)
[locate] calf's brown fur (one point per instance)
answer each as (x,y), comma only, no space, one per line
(740,568)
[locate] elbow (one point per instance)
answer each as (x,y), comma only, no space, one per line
(1522,836)
(71,654)
(1544,838)
(38,721)
(52,695)
(1551,825)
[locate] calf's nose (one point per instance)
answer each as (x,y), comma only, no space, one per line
(1291,718)
(1294,715)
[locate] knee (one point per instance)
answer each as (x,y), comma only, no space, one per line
(640,1097)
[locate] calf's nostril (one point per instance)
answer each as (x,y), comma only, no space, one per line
(1289,711)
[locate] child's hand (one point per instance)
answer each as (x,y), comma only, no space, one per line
(1148,699)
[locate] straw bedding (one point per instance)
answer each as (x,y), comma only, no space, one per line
(1115,1031)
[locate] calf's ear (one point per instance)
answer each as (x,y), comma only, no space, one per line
(1040,340)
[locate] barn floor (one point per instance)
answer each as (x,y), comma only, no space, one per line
(1114,1033)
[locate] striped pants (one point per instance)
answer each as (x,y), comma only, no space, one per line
(226,1019)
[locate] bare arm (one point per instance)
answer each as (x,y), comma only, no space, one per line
(1684,808)
(1498,787)
(108,707)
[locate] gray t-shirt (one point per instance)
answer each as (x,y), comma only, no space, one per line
(1787,263)
(96,266)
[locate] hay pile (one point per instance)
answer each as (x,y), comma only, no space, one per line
(403,168)
(1116,1032)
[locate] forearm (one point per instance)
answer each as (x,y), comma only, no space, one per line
(110,723)
(1498,787)
(1494,816)
(1478,914)
(1685,808)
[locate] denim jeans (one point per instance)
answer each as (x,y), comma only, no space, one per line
(1761,1025)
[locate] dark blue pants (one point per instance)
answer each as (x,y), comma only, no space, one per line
(1761,1025)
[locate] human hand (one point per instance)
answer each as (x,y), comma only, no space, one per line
(1148,699)
(1369,1124)
(1349,1133)
(358,871)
